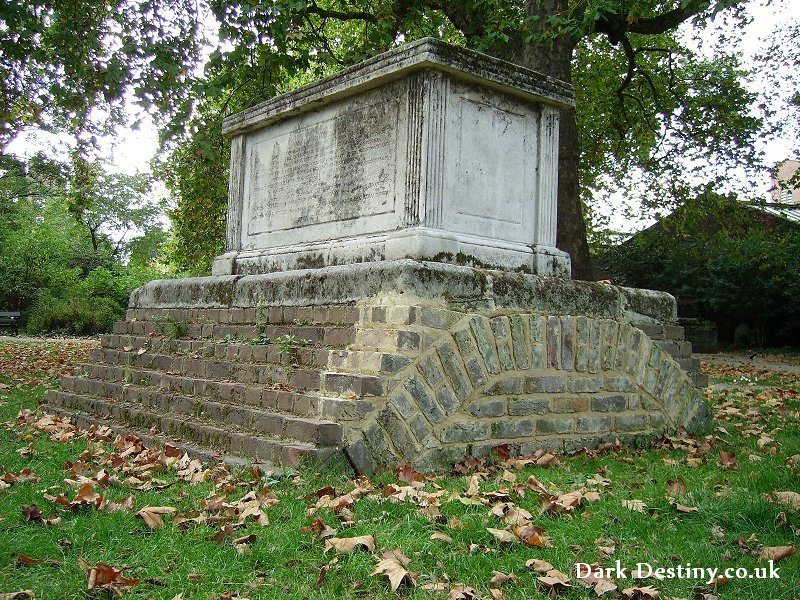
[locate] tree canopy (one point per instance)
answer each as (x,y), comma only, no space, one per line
(652,115)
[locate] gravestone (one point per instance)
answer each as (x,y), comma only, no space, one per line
(391,291)
(426,152)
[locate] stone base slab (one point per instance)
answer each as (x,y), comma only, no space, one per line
(420,243)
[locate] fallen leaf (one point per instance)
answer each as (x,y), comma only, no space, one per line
(106,577)
(347,545)
(789,499)
(532,536)
(775,553)
(555,581)
(683,508)
(727,460)
(443,537)
(32,513)
(151,515)
(393,566)
(499,578)
(501,534)
(676,487)
(640,592)
(539,566)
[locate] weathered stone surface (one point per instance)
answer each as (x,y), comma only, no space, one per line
(609,403)
(528,406)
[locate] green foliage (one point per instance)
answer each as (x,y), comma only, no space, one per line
(740,265)
(262,339)
(74,315)
(289,344)
(64,276)
(71,64)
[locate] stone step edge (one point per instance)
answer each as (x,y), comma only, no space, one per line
(236,436)
(206,455)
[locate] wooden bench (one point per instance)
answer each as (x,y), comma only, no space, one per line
(10,320)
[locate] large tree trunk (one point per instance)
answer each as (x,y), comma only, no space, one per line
(556,61)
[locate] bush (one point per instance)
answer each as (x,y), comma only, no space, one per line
(75,315)
(86,306)
(739,271)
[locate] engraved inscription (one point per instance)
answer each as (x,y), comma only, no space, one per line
(336,169)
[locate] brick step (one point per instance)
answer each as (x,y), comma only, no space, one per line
(151,440)
(191,372)
(122,382)
(244,352)
(333,314)
(362,361)
(386,340)
(676,349)
(335,336)
(226,370)
(302,429)
(228,439)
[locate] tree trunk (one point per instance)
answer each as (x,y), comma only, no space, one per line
(556,61)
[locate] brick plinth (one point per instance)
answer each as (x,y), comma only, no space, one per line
(409,375)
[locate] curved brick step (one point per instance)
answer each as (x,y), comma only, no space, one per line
(229,439)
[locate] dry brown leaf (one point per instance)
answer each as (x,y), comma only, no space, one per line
(596,580)
(532,536)
(504,536)
(727,460)
(676,487)
(151,515)
(640,592)
(347,545)
(102,576)
(683,508)
(499,578)
(539,566)
(789,499)
(463,592)
(32,513)
(319,529)
(443,537)
(393,567)
(20,595)
(555,581)
(775,553)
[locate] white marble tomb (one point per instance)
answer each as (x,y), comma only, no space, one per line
(428,151)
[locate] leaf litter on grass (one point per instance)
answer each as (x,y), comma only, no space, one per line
(522,509)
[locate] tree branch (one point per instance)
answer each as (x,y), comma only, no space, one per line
(668,20)
(339,15)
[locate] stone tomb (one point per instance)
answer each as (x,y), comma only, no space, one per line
(336,326)
(426,152)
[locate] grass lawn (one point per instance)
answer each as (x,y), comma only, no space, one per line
(85,514)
